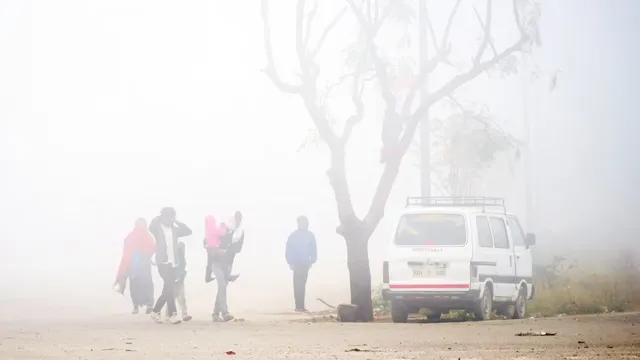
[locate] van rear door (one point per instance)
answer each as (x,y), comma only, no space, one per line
(430,252)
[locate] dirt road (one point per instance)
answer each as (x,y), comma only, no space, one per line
(127,337)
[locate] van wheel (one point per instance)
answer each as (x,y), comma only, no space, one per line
(484,307)
(520,310)
(399,312)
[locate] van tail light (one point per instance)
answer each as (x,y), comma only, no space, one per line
(385,272)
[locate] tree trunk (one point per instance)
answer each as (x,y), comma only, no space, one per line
(360,274)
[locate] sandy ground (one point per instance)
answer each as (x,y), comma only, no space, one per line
(283,336)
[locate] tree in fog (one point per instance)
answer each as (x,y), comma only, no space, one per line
(371,68)
(465,143)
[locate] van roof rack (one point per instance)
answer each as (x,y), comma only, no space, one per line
(476,201)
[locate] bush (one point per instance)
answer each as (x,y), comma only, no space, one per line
(574,288)
(380,305)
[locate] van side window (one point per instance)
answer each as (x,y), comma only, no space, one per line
(499,233)
(516,232)
(484,232)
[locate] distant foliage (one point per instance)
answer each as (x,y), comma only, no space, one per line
(571,288)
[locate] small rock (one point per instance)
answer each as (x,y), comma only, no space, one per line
(347,312)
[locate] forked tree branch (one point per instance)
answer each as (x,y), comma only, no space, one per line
(482,25)
(270,69)
(371,31)
(376,210)
(310,16)
(390,173)
(453,85)
(487,34)
(309,79)
(327,31)
(337,171)
(356,96)
(443,52)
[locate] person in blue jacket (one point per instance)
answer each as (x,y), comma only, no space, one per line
(301,253)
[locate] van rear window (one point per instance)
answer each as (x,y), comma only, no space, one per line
(431,230)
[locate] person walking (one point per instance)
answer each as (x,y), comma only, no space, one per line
(233,241)
(301,253)
(167,230)
(135,265)
(217,265)
(212,243)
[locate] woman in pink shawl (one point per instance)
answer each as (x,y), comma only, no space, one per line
(213,232)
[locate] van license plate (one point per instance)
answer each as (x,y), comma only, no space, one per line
(429,272)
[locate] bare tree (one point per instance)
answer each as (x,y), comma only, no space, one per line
(399,125)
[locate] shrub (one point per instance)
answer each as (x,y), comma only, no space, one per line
(574,288)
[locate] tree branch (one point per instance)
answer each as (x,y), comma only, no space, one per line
(381,68)
(379,202)
(310,17)
(447,30)
(356,97)
(432,64)
(518,17)
(487,34)
(337,172)
(432,32)
(309,91)
(327,31)
(337,175)
(482,25)
(453,85)
(270,69)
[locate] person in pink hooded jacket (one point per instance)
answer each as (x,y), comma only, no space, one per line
(213,232)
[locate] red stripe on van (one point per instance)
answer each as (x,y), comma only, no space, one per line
(429,286)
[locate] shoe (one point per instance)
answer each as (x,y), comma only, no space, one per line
(135,310)
(216,318)
(227,317)
(233,278)
(156,317)
(174,319)
(303,310)
(149,309)
(208,279)
(186,317)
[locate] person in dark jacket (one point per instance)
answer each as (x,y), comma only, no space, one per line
(301,253)
(232,242)
(166,230)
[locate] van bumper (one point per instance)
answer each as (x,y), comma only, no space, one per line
(448,300)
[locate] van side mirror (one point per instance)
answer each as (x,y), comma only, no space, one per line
(530,239)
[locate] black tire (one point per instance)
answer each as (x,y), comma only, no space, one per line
(484,307)
(520,307)
(399,312)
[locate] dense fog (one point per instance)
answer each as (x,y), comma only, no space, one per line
(111,110)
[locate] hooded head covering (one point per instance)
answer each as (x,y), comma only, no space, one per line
(138,242)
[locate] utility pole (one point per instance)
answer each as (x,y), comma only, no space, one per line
(529,181)
(425,124)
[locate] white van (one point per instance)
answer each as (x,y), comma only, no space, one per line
(458,254)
